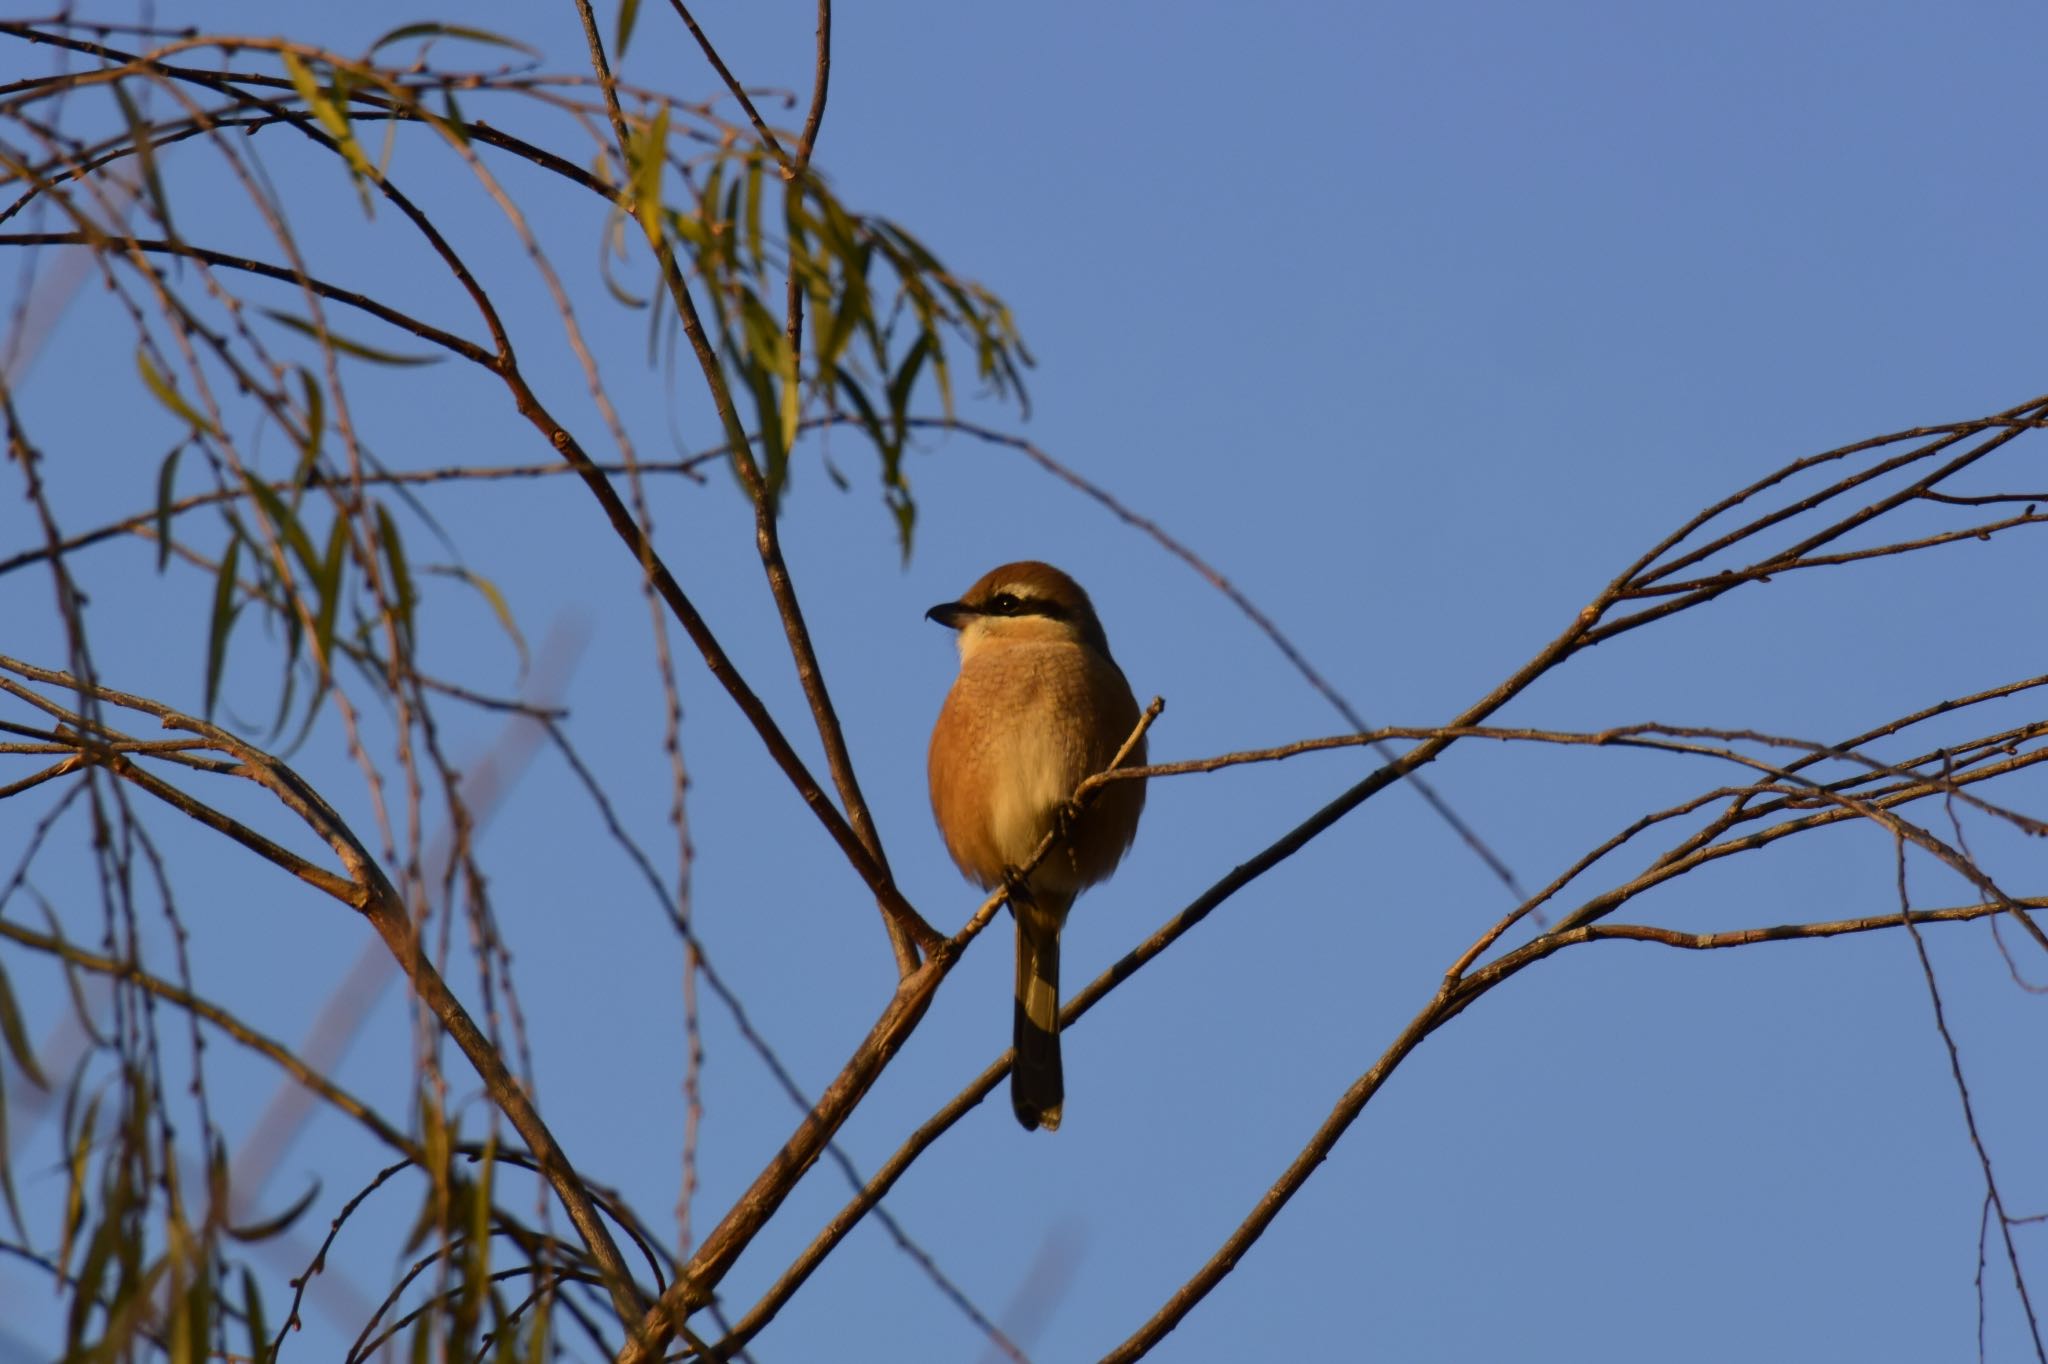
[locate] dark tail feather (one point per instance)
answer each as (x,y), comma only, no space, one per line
(1037,1089)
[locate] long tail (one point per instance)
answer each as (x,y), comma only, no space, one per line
(1037,1088)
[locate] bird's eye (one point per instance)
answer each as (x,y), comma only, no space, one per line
(1003,604)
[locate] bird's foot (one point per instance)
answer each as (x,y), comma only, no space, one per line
(1017,889)
(1065,816)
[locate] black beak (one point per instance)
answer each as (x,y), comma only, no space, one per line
(951,614)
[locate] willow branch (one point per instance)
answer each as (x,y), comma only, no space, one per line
(370,892)
(694,1286)
(906,931)
(1449,1001)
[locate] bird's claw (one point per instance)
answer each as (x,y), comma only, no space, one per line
(1016,888)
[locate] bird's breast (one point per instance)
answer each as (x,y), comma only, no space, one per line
(1023,725)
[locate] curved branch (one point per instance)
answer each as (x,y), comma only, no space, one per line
(370,892)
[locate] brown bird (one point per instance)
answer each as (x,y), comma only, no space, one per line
(1039,706)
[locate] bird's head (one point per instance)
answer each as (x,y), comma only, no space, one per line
(1022,602)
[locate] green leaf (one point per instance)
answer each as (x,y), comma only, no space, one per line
(74,1191)
(194,1315)
(167,395)
(278,1225)
(905,512)
(166,477)
(223,620)
(145,157)
(718,248)
(689,228)
(316,420)
(904,380)
(920,258)
(402,590)
(430,31)
(252,1313)
(294,640)
(729,220)
(754,250)
(331,117)
(476,1277)
(646,157)
(7,1169)
(451,115)
(537,1343)
(629,14)
(345,346)
(286,522)
(490,593)
(864,412)
(85,1287)
(625,297)
(328,584)
(16,1036)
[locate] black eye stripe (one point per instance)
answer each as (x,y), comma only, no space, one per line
(1012,604)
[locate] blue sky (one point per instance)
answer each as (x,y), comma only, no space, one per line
(1420,322)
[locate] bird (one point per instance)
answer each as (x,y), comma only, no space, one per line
(1039,706)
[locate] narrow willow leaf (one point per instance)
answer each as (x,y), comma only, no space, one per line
(474,35)
(490,593)
(903,381)
(476,1279)
(775,452)
(278,1225)
(85,1287)
(905,512)
(854,311)
(7,1169)
(689,229)
(941,374)
(658,298)
(863,410)
(647,155)
(285,521)
(718,247)
(922,259)
(74,1189)
(145,157)
(16,1036)
(403,595)
(190,1335)
(629,14)
(315,397)
(620,294)
(347,347)
(166,480)
(222,621)
(755,253)
(454,124)
(294,640)
(252,1314)
(789,404)
(167,395)
(331,117)
(328,584)
(537,1351)
(729,224)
